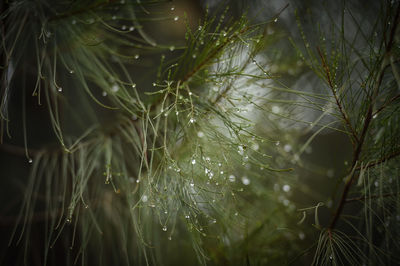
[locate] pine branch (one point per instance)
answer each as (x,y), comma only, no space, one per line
(368,119)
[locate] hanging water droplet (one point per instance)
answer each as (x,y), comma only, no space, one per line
(214,221)
(176,18)
(277,143)
(192,120)
(169,238)
(172,8)
(191,184)
(232,178)
(104,94)
(375,116)
(287,148)
(134,85)
(115,88)
(123,27)
(190,93)
(137,56)
(187,217)
(245,180)
(114,17)
(276,109)
(73,22)
(30,160)
(172,48)
(200,134)
(194,56)
(71,71)
(164,228)
(59,89)
(131,28)
(193,161)
(286,188)
(222,172)
(144,198)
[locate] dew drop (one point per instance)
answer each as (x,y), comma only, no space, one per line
(245,180)
(176,18)
(277,143)
(123,27)
(200,134)
(144,197)
(137,56)
(172,8)
(104,94)
(172,48)
(131,28)
(164,228)
(287,148)
(232,178)
(286,188)
(192,120)
(71,71)
(193,161)
(73,22)
(192,184)
(134,85)
(115,88)
(114,17)
(59,89)
(194,56)
(30,160)
(187,217)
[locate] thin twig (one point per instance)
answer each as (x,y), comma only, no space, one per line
(341,109)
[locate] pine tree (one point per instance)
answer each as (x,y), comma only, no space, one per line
(253,133)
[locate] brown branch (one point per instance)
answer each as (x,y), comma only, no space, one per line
(386,104)
(341,109)
(368,118)
(382,160)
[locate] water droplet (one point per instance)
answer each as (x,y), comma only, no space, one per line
(191,184)
(286,188)
(144,197)
(277,143)
(375,116)
(187,217)
(302,235)
(236,213)
(190,93)
(176,18)
(71,71)
(172,48)
(165,212)
(30,160)
(114,17)
(172,8)
(131,28)
(376,183)
(200,134)
(134,85)
(104,94)
(194,55)
(73,22)
(169,238)
(137,56)
(287,148)
(192,120)
(123,27)
(115,88)
(164,228)
(154,84)
(200,28)
(245,180)
(214,221)
(276,109)
(193,161)
(222,172)
(232,178)
(59,89)
(176,113)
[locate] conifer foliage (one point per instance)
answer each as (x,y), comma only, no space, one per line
(134,133)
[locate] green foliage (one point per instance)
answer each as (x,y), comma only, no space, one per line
(200,145)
